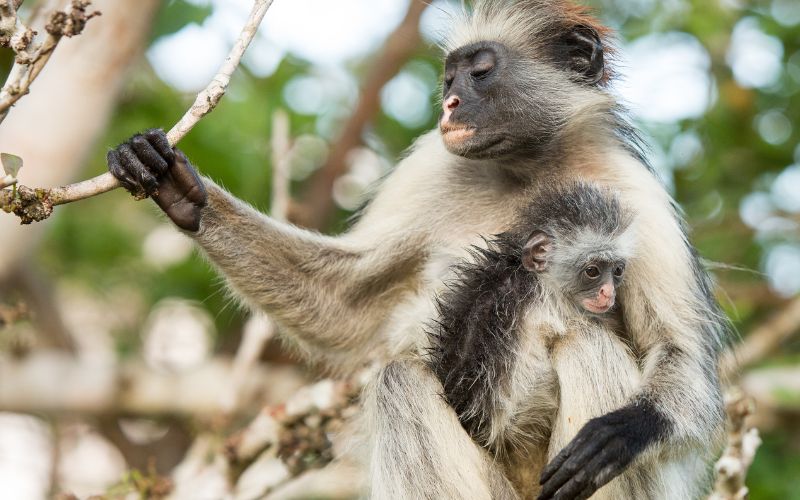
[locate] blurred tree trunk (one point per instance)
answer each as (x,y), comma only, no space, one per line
(54,127)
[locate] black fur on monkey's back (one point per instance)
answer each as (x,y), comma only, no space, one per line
(475,337)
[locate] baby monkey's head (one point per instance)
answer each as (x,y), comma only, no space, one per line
(578,242)
(589,280)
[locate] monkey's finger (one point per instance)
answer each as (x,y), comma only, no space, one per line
(158,139)
(589,478)
(608,464)
(602,469)
(123,176)
(559,478)
(148,155)
(557,461)
(575,487)
(137,169)
(586,493)
(575,460)
(185,176)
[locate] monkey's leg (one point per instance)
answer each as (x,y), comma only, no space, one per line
(417,447)
(332,294)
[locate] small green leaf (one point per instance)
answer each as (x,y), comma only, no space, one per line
(11,163)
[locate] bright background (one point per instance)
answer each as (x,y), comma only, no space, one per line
(715,84)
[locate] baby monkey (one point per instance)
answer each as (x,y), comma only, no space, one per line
(529,346)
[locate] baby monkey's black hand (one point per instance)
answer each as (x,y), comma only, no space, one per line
(146,165)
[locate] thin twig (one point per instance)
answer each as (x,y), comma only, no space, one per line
(31,58)
(35,204)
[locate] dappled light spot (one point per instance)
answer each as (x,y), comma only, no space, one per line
(774,127)
(754,56)
(665,77)
(783,269)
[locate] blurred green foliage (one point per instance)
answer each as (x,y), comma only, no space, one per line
(99,242)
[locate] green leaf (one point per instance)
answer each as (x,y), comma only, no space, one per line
(176,14)
(11,163)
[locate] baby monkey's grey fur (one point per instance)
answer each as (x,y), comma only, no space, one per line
(525,107)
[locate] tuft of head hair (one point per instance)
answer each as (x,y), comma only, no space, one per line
(527,26)
(583,218)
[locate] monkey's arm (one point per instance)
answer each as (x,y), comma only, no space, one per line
(330,293)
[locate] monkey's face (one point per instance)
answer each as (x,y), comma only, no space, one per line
(510,100)
(596,285)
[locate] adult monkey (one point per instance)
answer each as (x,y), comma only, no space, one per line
(525,103)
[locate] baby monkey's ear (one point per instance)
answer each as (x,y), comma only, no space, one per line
(536,251)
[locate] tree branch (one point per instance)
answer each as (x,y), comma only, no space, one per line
(31,58)
(35,204)
(764,340)
(57,383)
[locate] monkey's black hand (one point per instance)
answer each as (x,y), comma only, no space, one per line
(602,450)
(147,165)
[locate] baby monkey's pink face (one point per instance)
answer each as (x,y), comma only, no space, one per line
(592,283)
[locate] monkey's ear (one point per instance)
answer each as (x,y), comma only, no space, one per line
(536,251)
(582,51)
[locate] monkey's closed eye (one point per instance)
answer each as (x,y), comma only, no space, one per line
(448,79)
(592,272)
(481,70)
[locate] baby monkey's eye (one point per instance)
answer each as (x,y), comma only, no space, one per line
(619,271)
(592,272)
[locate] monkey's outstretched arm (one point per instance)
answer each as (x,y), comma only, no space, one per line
(331,293)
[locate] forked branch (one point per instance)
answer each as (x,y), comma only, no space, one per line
(35,204)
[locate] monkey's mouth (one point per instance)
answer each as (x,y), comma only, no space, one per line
(470,142)
(455,136)
(598,306)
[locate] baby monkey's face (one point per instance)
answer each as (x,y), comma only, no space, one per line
(591,281)
(595,287)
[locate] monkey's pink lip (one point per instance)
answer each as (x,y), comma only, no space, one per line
(597,307)
(454,134)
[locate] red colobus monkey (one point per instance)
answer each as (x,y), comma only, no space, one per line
(525,106)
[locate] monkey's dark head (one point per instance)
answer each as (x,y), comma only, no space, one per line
(516,73)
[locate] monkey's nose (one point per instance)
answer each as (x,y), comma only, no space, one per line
(448,106)
(451,103)
(607,293)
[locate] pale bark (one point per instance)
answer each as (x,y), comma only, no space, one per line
(743,441)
